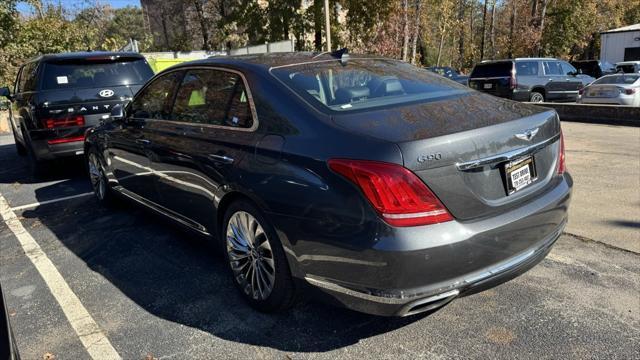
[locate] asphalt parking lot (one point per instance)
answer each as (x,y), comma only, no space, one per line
(149,290)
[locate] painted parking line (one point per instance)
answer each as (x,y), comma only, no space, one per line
(35,204)
(91,336)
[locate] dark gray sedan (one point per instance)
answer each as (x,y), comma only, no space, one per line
(366,182)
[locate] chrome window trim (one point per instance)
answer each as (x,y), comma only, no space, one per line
(252,107)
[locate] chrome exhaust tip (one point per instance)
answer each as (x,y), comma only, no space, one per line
(429,303)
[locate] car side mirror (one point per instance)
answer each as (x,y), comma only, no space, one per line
(4,91)
(117,113)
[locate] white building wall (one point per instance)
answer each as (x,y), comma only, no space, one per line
(612,45)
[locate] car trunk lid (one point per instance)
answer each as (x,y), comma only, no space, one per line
(459,147)
(61,103)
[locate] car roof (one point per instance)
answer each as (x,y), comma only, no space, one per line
(85,55)
(270,60)
(516,59)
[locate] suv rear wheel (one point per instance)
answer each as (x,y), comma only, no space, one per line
(39,168)
(20,149)
(256,258)
(536,97)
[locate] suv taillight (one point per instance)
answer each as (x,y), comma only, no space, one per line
(397,194)
(513,82)
(561,157)
(77,120)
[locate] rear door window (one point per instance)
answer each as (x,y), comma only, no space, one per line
(102,72)
(552,68)
(27,78)
(212,97)
(567,69)
(493,69)
(154,101)
(527,68)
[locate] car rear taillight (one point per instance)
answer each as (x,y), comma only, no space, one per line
(397,194)
(629,91)
(581,91)
(77,120)
(65,140)
(561,156)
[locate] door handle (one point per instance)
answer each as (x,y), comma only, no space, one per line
(221,158)
(143,141)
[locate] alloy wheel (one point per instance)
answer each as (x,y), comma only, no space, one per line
(97,179)
(250,255)
(537,97)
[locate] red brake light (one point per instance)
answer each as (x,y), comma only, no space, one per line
(513,81)
(580,91)
(561,157)
(77,120)
(629,91)
(396,193)
(65,140)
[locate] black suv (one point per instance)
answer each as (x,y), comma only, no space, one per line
(57,97)
(529,79)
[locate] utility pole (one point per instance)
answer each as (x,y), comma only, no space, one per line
(327,24)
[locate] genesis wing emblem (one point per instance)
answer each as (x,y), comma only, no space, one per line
(528,134)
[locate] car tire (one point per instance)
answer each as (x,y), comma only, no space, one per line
(536,97)
(98,179)
(20,149)
(256,258)
(39,168)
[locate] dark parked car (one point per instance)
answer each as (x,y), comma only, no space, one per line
(449,73)
(593,68)
(529,79)
(57,97)
(370,182)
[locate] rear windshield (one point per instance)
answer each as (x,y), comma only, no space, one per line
(617,79)
(364,83)
(99,73)
(626,68)
(495,69)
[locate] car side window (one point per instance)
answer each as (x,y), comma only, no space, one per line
(552,68)
(28,77)
(567,69)
(212,97)
(18,85)
(155,100)
(527,68)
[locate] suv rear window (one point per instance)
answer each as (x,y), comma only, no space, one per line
(493,69)
(95,73)
(364,83)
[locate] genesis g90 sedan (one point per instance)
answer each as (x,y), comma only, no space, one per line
(364,181)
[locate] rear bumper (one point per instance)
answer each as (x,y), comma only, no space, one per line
(54,144)
(629,101)
(405,303)
(409,270)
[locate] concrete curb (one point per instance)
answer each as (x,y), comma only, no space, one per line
(597,114)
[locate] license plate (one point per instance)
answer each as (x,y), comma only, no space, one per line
(488,86)
(519,174)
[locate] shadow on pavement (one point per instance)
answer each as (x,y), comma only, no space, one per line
(175,275)
(625,223)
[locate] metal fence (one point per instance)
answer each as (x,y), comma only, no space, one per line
(274,47)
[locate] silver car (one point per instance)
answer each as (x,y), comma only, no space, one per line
(617,89)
